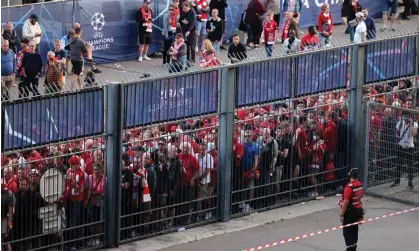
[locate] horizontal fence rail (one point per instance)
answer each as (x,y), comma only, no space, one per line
(170,151)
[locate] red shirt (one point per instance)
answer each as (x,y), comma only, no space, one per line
(301,141)
(317,150)
(309,42)
(376,125)
(190,165)
(269,30)
(354,192)
(331,136)
(204,5)
(12,184)
(325,23)
(74,185)
(19,59)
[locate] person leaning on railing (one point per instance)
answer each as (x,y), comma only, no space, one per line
(8,69)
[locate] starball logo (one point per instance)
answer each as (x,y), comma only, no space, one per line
(99,42)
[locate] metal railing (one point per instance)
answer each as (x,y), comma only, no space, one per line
(151,129)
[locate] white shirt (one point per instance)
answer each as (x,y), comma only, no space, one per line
(207,162)
(407,140)
(360,29)
(29,31)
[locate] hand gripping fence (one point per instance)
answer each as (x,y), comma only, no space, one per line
(277,243)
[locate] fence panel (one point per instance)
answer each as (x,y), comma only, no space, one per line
(171,99)
(321,71)
(393,151)
(390,59)
(263,82)
(169,164)
(47,119)
(59,196)
(268,170)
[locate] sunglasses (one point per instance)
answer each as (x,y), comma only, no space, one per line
(171,9)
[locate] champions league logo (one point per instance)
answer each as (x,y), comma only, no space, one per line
(97,21)
(99,42)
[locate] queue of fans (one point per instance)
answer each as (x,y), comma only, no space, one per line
(281,151)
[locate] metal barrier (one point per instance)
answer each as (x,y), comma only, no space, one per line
(393,150)
(234,116)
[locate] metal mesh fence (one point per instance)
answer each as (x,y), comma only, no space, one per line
(53,196)
(393,143)
(289,151)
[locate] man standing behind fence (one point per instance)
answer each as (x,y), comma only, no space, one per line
(8,68)
(188,24)
(32,67)
(77,47)
(145,29)
(406,130)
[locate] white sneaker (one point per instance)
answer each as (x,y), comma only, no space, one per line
(140,59)
(147,58)
(208,215)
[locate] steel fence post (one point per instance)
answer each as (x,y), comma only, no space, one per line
(416,71)
(225,143)
(357,112)
(114,100)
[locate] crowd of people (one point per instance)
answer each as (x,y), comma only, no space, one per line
(281,151)
(22,64)
(169,177)
(189,27)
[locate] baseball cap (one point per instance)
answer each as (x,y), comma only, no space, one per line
(147,1)
(359,15)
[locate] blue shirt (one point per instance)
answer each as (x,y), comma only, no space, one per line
(250,151)
(8,63)
(371,30)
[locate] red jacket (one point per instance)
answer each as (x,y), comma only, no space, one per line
(331,136)
(325,23)
(309,41)
(255,9)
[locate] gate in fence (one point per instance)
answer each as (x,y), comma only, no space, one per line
(393,150)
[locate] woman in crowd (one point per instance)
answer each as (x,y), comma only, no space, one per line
(177,52)
(170,27)
(208,57)
(325,24)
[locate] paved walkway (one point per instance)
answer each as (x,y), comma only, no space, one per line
(394,233)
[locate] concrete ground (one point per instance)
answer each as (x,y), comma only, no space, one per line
(394,233)
(131,71)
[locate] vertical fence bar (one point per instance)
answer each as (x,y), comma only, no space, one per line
(114,100)
(357,116)
(225,143)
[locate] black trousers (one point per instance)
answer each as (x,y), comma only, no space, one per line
(405,157)
(350,234)
(407,7)
(190,47)
(168,41)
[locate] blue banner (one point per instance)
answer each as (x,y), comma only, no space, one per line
(390,59)
(110,26)
(263,82)
(322,71)
(42,121)
(171,99)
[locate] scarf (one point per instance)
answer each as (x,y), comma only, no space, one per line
(173,23)
(175,49)
(146,16)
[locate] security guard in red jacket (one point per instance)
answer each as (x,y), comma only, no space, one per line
(352,211)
